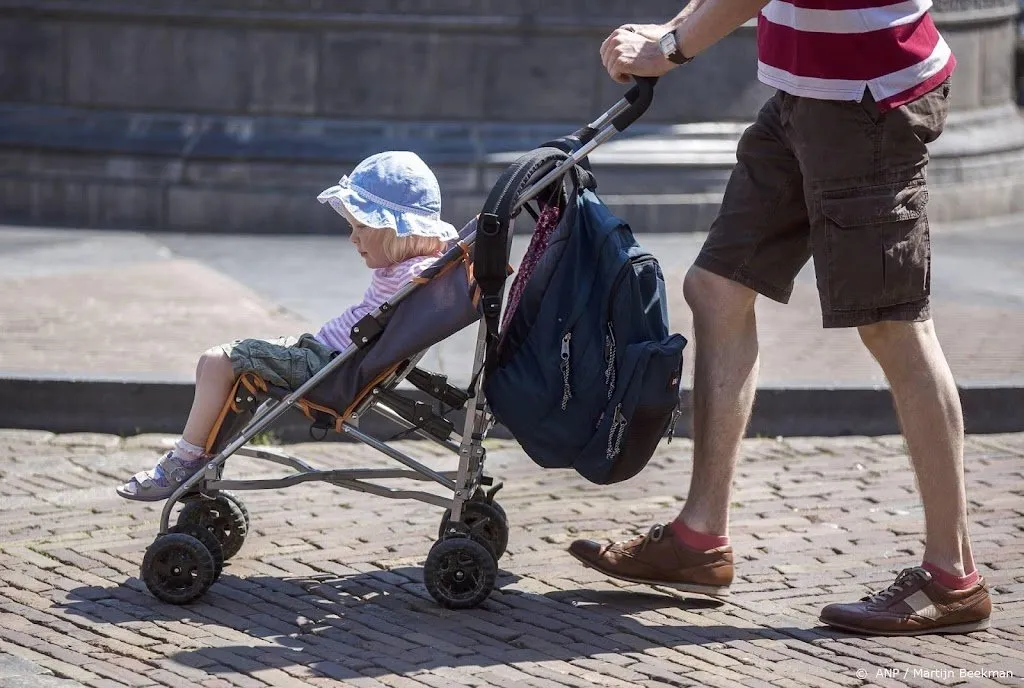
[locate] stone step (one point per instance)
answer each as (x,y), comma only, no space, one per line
(70,166)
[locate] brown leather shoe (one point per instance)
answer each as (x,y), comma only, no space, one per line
(659,558)
(914,605)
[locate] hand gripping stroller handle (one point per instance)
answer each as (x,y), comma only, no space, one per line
(640,98)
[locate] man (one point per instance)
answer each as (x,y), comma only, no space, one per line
(834,169)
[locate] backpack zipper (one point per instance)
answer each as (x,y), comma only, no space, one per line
(670,433)
(566,390)
(618,280)
(609,340)
(615,433)
(635,260)
(609,352)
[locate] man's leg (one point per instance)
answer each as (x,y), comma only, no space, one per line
(693,553)
(724,380)
(757,244)
(867,196)
(946,594)
(928,406)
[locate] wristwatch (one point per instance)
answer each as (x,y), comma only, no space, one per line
(670,49)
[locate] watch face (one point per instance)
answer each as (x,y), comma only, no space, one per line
(668,43)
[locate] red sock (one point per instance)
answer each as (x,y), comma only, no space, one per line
(694,540)
(948,580)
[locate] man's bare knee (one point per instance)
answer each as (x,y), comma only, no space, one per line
(882,337)
(709,295)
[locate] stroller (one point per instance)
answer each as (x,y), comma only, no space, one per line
(464,286)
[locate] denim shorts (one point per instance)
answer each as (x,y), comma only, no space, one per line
(286,362)
(844,184)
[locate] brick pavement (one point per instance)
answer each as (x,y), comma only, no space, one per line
(327,589)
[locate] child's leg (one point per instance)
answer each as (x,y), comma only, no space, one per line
(286,362)
(214,380)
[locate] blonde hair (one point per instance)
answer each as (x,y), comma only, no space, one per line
(396,248)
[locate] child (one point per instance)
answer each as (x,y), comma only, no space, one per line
(393,203)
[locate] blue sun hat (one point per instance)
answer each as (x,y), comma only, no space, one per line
(392,189)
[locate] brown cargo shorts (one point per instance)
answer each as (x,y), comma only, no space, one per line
(844,184)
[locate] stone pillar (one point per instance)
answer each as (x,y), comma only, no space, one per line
(978,163)
(231,115)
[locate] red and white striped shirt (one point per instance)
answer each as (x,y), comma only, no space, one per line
(834,49)
(384,283)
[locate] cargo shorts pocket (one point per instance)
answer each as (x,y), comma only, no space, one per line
(877,250)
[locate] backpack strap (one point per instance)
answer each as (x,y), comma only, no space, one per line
(582,175)
(493,241)
(489,264)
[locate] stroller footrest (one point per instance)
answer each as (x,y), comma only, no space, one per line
(419,414)
(437,386)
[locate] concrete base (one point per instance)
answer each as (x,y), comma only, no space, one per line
(129,407)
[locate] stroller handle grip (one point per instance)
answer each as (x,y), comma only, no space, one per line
(628,110)
(640,98)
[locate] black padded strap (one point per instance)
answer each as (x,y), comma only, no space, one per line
(493,236)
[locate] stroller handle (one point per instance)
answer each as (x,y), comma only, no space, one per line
(626,111)
(639,98)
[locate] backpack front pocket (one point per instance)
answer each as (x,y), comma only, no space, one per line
(639,413)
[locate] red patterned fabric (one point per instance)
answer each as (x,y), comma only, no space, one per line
(834,49)
(546,224)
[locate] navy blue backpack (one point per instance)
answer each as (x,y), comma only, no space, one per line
(587,374)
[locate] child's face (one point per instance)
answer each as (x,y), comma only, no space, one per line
(370,244)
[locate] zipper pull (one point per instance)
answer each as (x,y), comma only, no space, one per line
(609,371)
(615,433)
(676,412)
(566,390)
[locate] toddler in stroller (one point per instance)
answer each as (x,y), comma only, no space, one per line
(392,203)
(356,364)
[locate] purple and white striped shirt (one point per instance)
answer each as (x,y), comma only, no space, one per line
(384,283)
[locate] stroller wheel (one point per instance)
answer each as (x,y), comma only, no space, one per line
(485,520)
(459,572)
(232,497)
(222,516)
(209,540)
(178,568)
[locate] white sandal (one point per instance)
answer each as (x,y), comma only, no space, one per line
(162,480)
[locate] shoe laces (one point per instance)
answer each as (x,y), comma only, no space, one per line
(640,542)
(905,579)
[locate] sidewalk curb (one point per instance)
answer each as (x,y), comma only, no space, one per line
(141,405)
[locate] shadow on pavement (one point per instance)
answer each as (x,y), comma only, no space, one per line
(384,622)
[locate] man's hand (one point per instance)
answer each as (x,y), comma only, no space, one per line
(652,31)
(628,52)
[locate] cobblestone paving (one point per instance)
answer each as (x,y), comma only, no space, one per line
(327,589)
